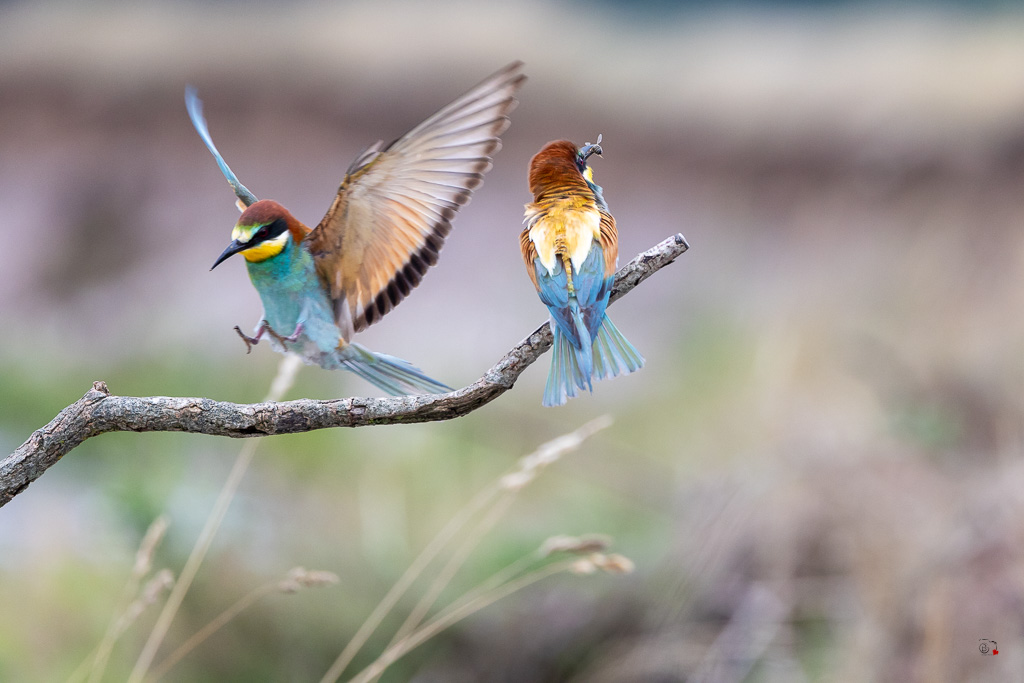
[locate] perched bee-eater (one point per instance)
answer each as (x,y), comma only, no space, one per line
(571,248)
(383,231)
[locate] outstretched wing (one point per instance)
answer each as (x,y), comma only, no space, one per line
(194,105)
(395,205)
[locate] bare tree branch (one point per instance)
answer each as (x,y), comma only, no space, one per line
(98,411)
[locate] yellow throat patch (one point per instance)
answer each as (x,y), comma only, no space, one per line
(265,249)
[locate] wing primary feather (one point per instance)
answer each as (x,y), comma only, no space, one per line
(395,205)
(508,79)
(448,133)
(418,266)
(365,157)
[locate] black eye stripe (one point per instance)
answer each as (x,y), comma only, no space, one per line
(269,231)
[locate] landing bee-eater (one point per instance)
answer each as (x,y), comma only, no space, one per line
(571,248)
(385,228)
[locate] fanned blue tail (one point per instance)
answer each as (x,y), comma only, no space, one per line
(565,374)
(610,355)
(389,374)
(571,366)
(613,354)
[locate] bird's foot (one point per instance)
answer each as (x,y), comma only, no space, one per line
(284,341)
(249,341)
(295,335)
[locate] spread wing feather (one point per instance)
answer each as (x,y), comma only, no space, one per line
(394,207)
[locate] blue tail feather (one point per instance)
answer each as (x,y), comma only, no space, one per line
(584,356)
(554,391)
(565,374)
(610,355)
(389,374)
(613,354)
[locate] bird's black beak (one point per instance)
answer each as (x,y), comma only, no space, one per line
(233,248)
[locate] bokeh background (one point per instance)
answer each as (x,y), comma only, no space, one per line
(818,474)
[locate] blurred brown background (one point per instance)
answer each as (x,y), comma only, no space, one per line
(818,473)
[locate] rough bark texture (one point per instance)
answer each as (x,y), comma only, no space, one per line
(98,411)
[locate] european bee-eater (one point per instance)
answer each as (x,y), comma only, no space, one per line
(571,248)
(384,230)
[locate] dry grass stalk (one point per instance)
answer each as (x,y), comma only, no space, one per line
(147,548)
(283,381)
(151,592)
(390,599)
(300,577)
(577,545)
(163,580)
(464,608)
(142,566)
(297,579)
(526,470)
(550,452)
(452,566)
(565,544)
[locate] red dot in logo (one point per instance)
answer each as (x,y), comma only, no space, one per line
(995,652)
